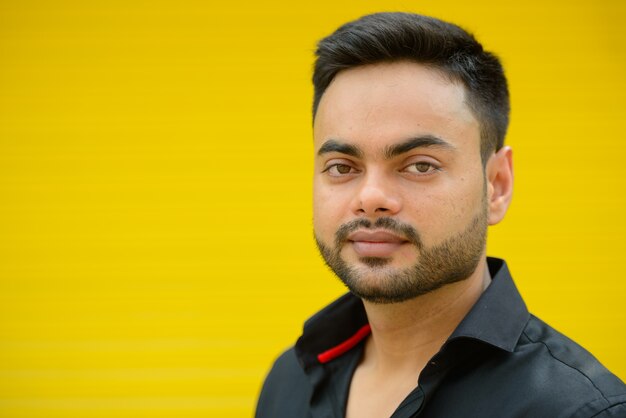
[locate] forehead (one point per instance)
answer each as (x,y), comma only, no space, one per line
(382,103)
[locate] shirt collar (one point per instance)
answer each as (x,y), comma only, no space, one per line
(497,319)
(330,327)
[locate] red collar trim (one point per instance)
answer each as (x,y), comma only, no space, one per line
(345,346)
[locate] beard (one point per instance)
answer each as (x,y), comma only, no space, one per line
(450,261)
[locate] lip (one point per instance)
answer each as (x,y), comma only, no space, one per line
(376,237)
(375,243)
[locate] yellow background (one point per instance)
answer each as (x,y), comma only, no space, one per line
(156,251)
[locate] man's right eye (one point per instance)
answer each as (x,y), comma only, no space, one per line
(339,170)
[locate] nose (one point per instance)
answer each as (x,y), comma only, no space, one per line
(376,197)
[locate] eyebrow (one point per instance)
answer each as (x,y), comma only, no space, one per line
(333,145)
(423,141)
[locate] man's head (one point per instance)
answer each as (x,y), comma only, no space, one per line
(406,181)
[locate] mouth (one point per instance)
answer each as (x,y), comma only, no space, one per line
(381,244)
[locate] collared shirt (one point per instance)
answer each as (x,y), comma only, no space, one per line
(499,362)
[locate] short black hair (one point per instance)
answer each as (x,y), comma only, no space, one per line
(389,37)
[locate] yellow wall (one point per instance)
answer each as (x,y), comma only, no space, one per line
(156,251)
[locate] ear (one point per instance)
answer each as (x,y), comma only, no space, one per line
(499,173)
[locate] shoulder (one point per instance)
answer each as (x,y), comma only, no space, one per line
(286,389)
(565,375)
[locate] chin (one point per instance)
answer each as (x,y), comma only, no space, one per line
(375,262)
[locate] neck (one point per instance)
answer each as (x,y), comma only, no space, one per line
(406,335)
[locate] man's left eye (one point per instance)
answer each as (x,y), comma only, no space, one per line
(420,167)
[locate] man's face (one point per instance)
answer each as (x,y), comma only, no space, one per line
(400,204)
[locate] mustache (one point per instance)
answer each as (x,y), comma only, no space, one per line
(390,224)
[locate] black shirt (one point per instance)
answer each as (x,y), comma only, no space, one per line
(499,362)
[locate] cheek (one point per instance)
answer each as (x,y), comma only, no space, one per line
(432,215)
(332,207)
(328,210)
(439,213)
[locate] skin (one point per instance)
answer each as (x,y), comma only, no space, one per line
(437,190)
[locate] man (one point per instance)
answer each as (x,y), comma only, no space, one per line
(410,115)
